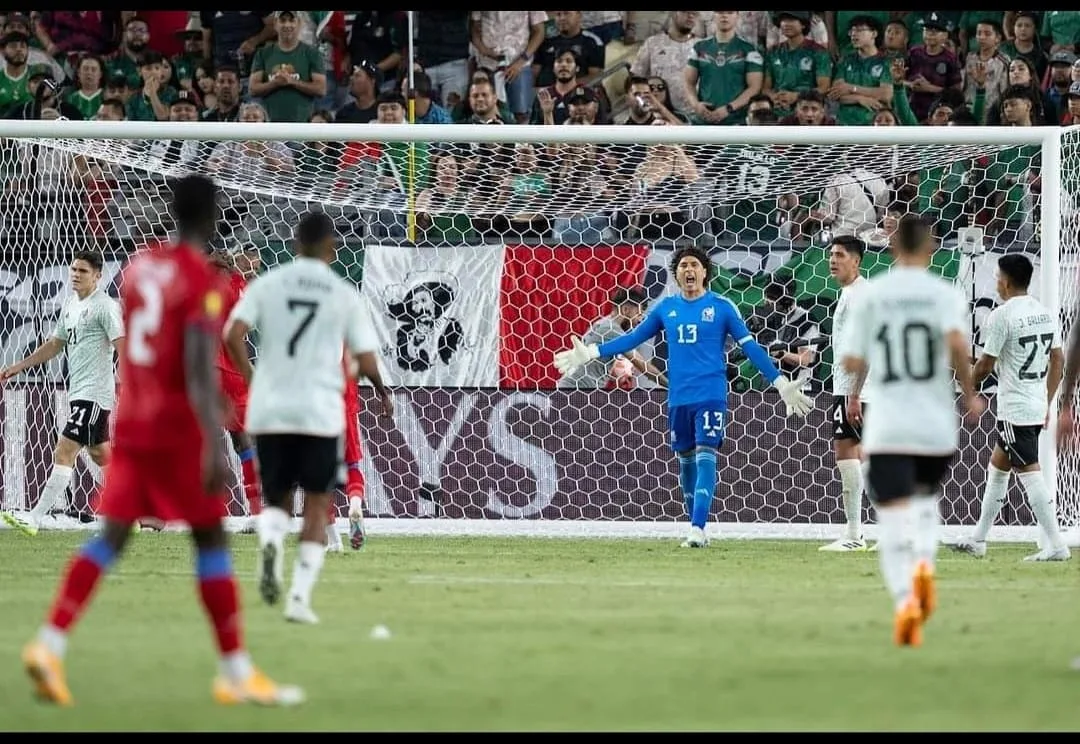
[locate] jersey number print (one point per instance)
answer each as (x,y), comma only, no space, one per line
(306,309)
(908,354)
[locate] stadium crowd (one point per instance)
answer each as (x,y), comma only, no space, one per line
(676,68)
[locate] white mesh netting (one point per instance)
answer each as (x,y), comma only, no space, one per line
(479,260)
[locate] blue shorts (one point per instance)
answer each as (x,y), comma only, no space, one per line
(698,425)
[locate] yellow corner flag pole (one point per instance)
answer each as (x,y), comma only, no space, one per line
(412,145)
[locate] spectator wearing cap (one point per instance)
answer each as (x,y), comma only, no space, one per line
(393,166)
(13,78)
(191,56)
(232,36)
(64,33)
(796,64)
(986,66)
(551,106)
(20,22)
(378,37)
(133,43)
(863,81)
(931,67)
(442,47)
(151,101)
(89,89)
(916,21)
(583,106)
(1060,78)
(185,107)
(665,54)
(227,94)
(43,102)
(364,87)
(1026,43)
(1061,28)
(1072,112)
(288,74)
(505,41)
(723,73)
(425,110)
(586,47)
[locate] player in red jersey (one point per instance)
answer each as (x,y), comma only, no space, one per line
(234,273)
(167,460)
(354,475)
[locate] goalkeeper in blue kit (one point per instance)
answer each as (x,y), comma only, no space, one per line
(698,323)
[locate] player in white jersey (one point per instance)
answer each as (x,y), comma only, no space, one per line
(1024,345)
(89,328)
(305,313)
(845,258)
(908,335)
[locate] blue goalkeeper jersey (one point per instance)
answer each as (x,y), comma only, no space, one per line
(697,333)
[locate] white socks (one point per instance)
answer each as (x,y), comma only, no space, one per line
(333,537)
(54,490)
(895,552)
(272,526)
(309,561)
(236,666)
(926,527)
(994,495)
(1038,496)
(851,488)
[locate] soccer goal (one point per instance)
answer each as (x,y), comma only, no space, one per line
(479,250)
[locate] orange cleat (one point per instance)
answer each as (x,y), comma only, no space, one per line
(925,589)
(46,669)
(258,689)
(907,629)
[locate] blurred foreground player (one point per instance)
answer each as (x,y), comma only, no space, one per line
(234,274)
(167,460)
(698,324)
(907,335)
(305,313)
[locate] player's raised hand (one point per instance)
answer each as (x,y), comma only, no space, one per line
(577,355)
(8,372)
(796,401)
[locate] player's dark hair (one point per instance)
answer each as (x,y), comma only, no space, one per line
(693,252)
(194,206)
(312,233)
(912,233)
(91,257)
(629,295)
(851,244)
(1017,267)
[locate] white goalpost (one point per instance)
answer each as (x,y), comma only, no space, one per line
(479,250)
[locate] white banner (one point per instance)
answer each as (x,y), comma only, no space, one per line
(436,313)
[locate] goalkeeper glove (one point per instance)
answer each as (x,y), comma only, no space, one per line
(794,398)
(577,355)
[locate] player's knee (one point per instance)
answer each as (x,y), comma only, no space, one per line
(66,452)
(210,538)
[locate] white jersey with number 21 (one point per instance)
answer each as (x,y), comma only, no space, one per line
(900,325)
(1021,334)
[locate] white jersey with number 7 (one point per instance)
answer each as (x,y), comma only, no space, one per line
(303,313)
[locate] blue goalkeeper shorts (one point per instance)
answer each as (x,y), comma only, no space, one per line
(698,425)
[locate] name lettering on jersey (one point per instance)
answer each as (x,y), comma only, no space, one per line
(759,156)
(1032,320)
(708,315)
(313,284)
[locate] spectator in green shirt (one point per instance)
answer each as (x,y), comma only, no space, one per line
(89,89)
(795,64)
(862,82)
(722,74)
(1061,27)
(132,45)
(151,103)
(287,74)
(13,75)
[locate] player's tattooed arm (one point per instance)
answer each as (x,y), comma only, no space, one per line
(367,365)
(40,355)
(236,346)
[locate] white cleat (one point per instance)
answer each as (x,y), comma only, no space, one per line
(271,572)
(249,526)
(844,545)
(1050,555)
(696,539)
(335,547)
(24,522)
(971,547)
(872,548)
(298,612)
(357,535)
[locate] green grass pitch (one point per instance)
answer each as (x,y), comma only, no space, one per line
(559,634)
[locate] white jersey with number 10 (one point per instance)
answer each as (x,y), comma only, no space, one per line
(303,314)
(1021,334)
(899,326)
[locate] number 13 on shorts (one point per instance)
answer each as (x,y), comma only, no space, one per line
(697,425)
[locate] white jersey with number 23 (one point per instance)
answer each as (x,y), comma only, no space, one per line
(1020,334)
(900,325)
(306,316)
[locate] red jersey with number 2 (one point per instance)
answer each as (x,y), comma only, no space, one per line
(165,290)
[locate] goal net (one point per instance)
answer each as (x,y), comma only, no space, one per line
(480,250)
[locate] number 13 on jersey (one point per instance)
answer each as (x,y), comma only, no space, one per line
(686,333)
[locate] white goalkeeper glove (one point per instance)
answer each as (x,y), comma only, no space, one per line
(577,355)
(796,401)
